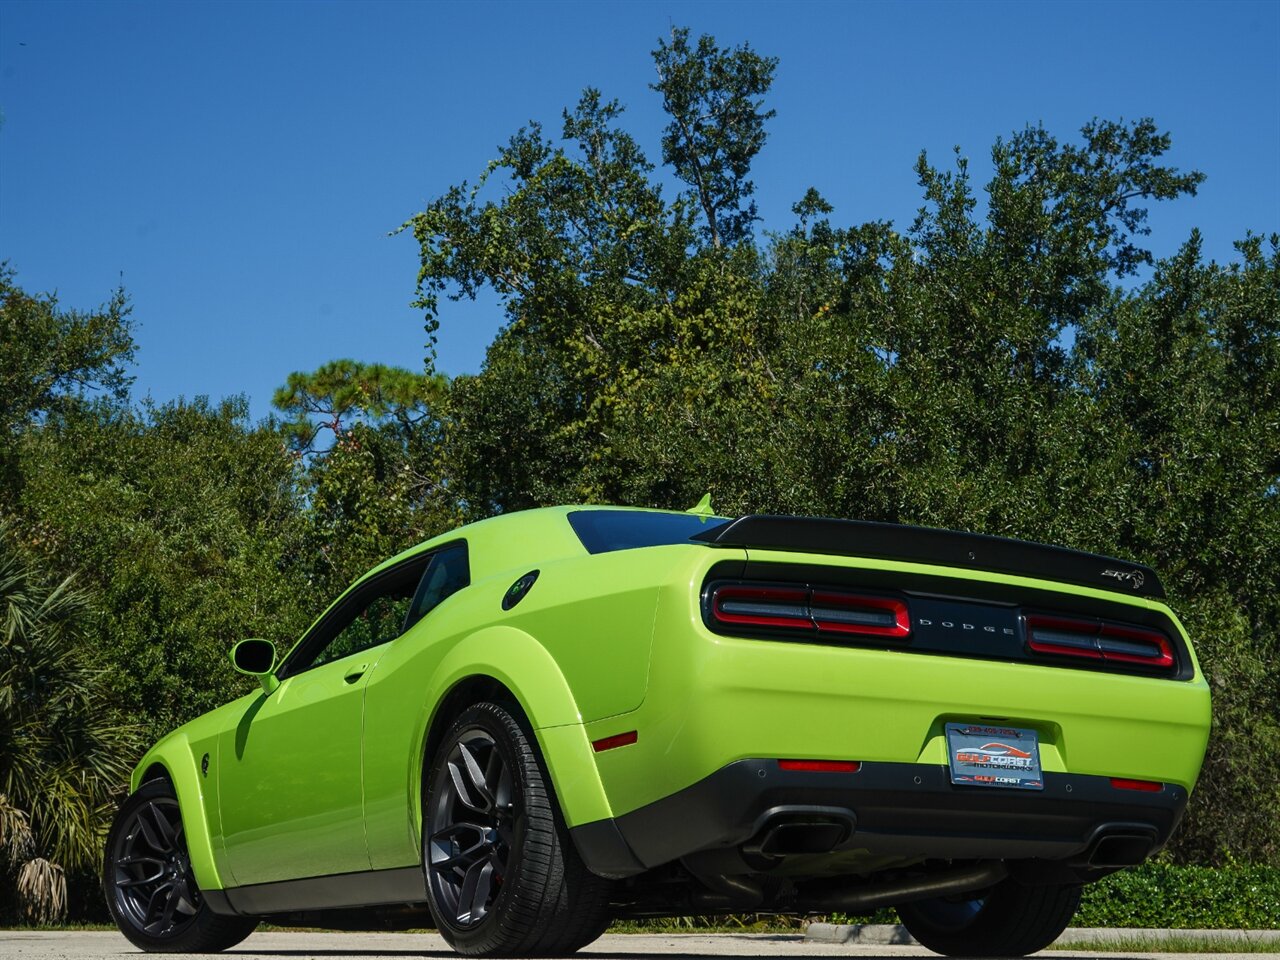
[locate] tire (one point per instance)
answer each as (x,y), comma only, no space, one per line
(148,883)
(503,876)
(1009,920)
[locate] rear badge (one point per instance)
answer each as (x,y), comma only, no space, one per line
(983,756)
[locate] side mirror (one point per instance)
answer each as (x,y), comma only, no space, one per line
(257,658)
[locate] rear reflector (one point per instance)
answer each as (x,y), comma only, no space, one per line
(800,609)
(1146,786)
(820,766)
(1094,640)
(617,740)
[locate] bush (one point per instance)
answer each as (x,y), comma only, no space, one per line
(1164,895)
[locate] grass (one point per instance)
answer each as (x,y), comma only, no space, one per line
(1138,943)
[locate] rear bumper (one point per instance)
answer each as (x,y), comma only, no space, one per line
(897,810)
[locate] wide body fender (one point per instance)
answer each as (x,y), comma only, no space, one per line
(399,717)
(181,757)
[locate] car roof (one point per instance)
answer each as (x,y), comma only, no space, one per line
(508,540)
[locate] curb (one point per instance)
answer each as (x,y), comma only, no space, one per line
(889,934)
(876,934)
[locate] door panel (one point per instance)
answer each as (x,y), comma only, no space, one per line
(290,780)
(395,702)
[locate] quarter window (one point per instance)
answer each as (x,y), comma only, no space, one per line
(446,575)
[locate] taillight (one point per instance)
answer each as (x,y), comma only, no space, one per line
(866,616)
(803,610)
(748,606)
(1125,644)
(1095,640)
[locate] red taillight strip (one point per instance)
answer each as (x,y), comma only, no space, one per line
(821,766)
(889,616)
(800,609)
(1146,786)
(785,607)
(617,740)
(1119,642)
(1092,640)
(1062,637)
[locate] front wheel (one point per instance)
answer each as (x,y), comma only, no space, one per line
(1009,920)
(149,885)
(503,874)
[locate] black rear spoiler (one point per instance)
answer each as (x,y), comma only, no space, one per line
(947,548)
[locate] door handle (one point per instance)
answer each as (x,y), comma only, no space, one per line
(355,673)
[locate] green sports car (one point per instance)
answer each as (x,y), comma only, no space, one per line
(540,722)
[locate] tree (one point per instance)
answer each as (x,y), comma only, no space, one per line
(376,488)
(184,519)
(51,359)
(604,282)
(64,750)
(1021,367)
(714,99)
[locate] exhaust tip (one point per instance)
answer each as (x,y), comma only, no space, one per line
(1121,850)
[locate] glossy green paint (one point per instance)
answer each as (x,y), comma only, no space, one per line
(289,777)
(178,756)
(323,774)
(712,700)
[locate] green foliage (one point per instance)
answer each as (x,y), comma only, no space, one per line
(714,99)
(50,356)
(1193,898)
(185,521)
(64,749)
(343,391)
(377,488)
(1020,367)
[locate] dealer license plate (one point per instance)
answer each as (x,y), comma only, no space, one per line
(981,755)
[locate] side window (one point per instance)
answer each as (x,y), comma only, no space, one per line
(377,623)
(447,573)
(372,614)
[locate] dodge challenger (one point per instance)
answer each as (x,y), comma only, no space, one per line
(532,725)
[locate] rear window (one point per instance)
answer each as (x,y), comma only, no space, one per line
(604,530)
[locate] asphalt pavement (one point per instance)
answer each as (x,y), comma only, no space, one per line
(272,945)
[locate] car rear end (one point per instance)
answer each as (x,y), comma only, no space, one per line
(835,699)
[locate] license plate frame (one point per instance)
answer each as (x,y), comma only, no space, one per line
(988,755)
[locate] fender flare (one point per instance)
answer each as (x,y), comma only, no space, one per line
(174,755)
(526,668)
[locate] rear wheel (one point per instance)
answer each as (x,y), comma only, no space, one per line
(150,888)
(503,875)
(1009,920)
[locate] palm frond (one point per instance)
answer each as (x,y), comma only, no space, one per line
(42,890)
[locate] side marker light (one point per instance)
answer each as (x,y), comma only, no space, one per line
(617,740)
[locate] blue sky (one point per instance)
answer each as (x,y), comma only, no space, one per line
(240,165)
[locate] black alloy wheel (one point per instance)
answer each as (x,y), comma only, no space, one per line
(154,886)
(150,886)
(472,829)
(503,875)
